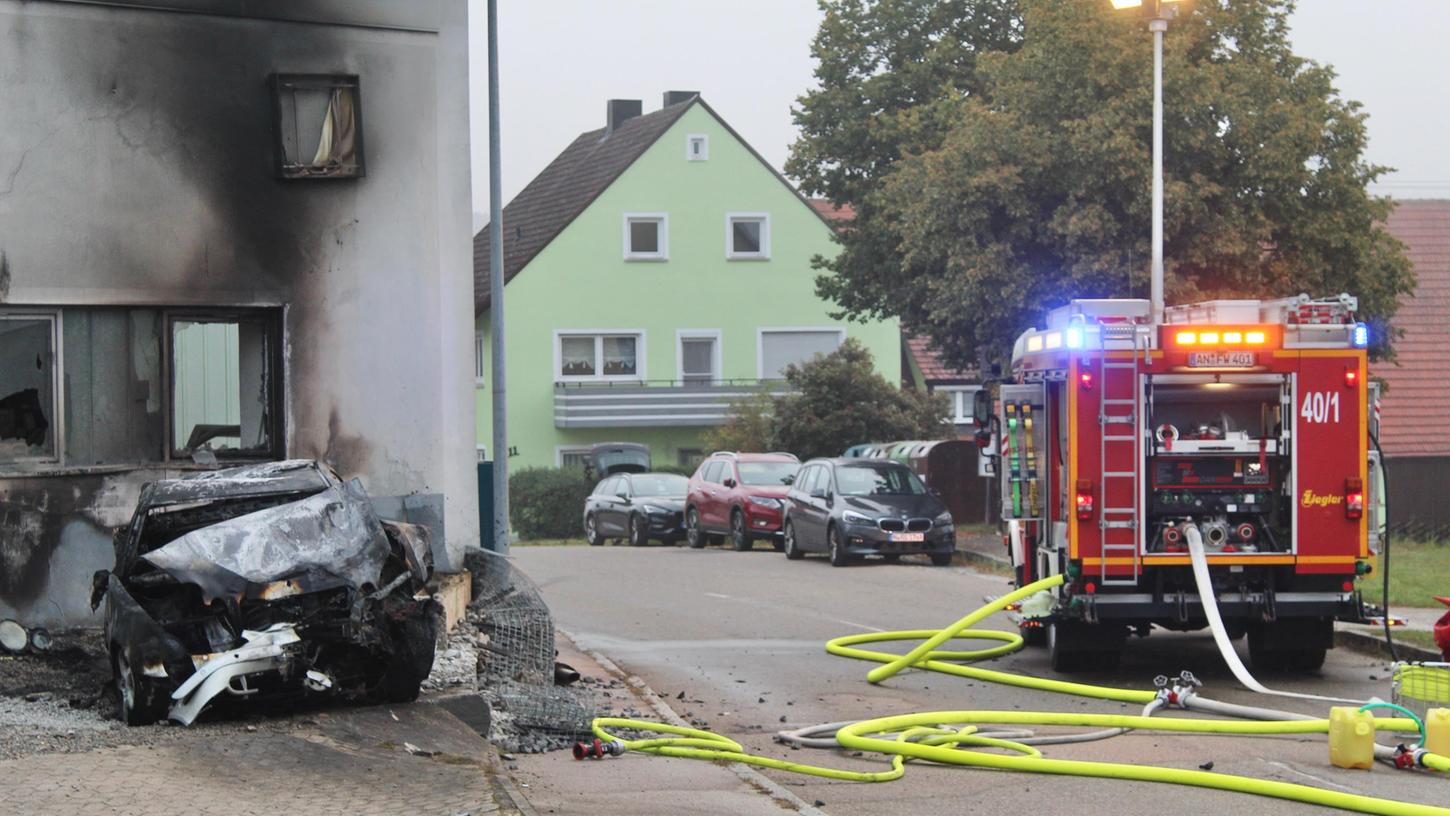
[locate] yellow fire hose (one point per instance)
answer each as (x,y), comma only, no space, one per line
(947,737)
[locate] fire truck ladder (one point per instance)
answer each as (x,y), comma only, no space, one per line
(1119,436)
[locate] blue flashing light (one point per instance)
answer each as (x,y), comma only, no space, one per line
(1074,337)
(1361,335)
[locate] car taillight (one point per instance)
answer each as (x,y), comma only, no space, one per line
(1084,500)
(1353,498)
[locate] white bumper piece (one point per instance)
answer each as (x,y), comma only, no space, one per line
(265,651)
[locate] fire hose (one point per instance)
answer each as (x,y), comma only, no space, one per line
(953,737)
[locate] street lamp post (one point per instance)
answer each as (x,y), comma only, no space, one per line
(1158,12)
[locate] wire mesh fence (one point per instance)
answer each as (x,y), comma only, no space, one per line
(516,662)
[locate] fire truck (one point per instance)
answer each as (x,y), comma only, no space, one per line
(1246,421)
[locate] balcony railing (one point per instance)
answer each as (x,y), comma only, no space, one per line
(652,403)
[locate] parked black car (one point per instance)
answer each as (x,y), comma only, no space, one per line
(855,507)
(637,507)
(264,581)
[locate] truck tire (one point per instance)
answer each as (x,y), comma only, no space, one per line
(1074,647)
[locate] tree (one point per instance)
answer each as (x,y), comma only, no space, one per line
(839,399)
(748,425)
(1037,190)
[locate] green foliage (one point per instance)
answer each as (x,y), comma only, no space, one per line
(1004,178)
(840,400)
(547,502)
(748,426)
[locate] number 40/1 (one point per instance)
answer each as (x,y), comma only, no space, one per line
(1319,405)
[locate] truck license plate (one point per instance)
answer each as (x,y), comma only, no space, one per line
(908,536)
(1221,359)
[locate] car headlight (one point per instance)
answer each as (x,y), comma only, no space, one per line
(945,519)
(766,501)
(852,517)
(652,510)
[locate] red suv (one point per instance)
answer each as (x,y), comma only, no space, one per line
(741,495)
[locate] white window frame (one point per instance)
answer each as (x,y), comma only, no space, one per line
(599,334)
(962,398)
(560,450)
(761,332)
(663,219)
(764,253)
(704,142)
(681,335)
(479,344)
(55,411)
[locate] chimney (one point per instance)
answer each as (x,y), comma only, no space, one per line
(676,97)
(620,111)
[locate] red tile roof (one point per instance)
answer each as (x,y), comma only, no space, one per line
(928,359)
(1416,408)
(845,213)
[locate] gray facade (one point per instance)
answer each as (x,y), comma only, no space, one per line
(142,196)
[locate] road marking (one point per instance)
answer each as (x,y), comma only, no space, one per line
(845,622)
(718,595)
(1321,781)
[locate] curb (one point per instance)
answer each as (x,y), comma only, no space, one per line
(1375,646)
(972,558)
(747,774)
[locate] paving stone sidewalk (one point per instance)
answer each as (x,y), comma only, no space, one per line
(351,761)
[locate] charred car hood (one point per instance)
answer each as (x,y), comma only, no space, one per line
(330,539)
(924,506)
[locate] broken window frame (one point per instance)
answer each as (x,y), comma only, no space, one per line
(270,321)
(57,398)
(284,88)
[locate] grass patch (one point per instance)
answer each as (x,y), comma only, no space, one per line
(1414,637)
(1419,570)
(550,542)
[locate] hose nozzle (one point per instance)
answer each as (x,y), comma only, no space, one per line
(598,749)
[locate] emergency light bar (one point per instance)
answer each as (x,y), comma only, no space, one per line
(1226,337)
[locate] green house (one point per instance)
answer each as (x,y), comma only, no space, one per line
(656,270)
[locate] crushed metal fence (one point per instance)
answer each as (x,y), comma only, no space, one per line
(516,666)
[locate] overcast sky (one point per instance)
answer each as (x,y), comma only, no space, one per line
(561,59)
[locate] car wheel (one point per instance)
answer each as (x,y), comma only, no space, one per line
(693,534)
(638,531)
(139,701)
(791,546)
(739,536)
(591,531)
(412,659)
(941,559)
(839,556)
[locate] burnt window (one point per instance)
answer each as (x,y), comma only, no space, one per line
(112,372)
(317,119)
(28,381)
(224,385)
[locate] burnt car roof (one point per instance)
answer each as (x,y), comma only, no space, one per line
(303,476)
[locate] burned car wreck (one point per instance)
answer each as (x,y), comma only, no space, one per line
(265,581)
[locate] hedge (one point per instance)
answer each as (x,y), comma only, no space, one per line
(547,502)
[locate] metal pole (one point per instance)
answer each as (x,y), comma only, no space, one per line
(1158,26)
(495,305)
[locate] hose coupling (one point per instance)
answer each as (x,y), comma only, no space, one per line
(1407,758)
(598,749)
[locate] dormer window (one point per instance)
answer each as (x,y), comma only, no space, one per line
(646,237)
(697,147)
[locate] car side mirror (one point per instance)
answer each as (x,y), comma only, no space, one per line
(624,496)
(818,493)
(981,407)
(933,491)
(728,482)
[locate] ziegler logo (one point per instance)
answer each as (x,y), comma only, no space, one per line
(1312,499)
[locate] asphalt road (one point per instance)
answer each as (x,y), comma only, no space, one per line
(731,630)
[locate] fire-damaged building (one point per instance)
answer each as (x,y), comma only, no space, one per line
(231,232)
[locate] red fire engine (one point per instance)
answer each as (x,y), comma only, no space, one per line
(1244,420)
